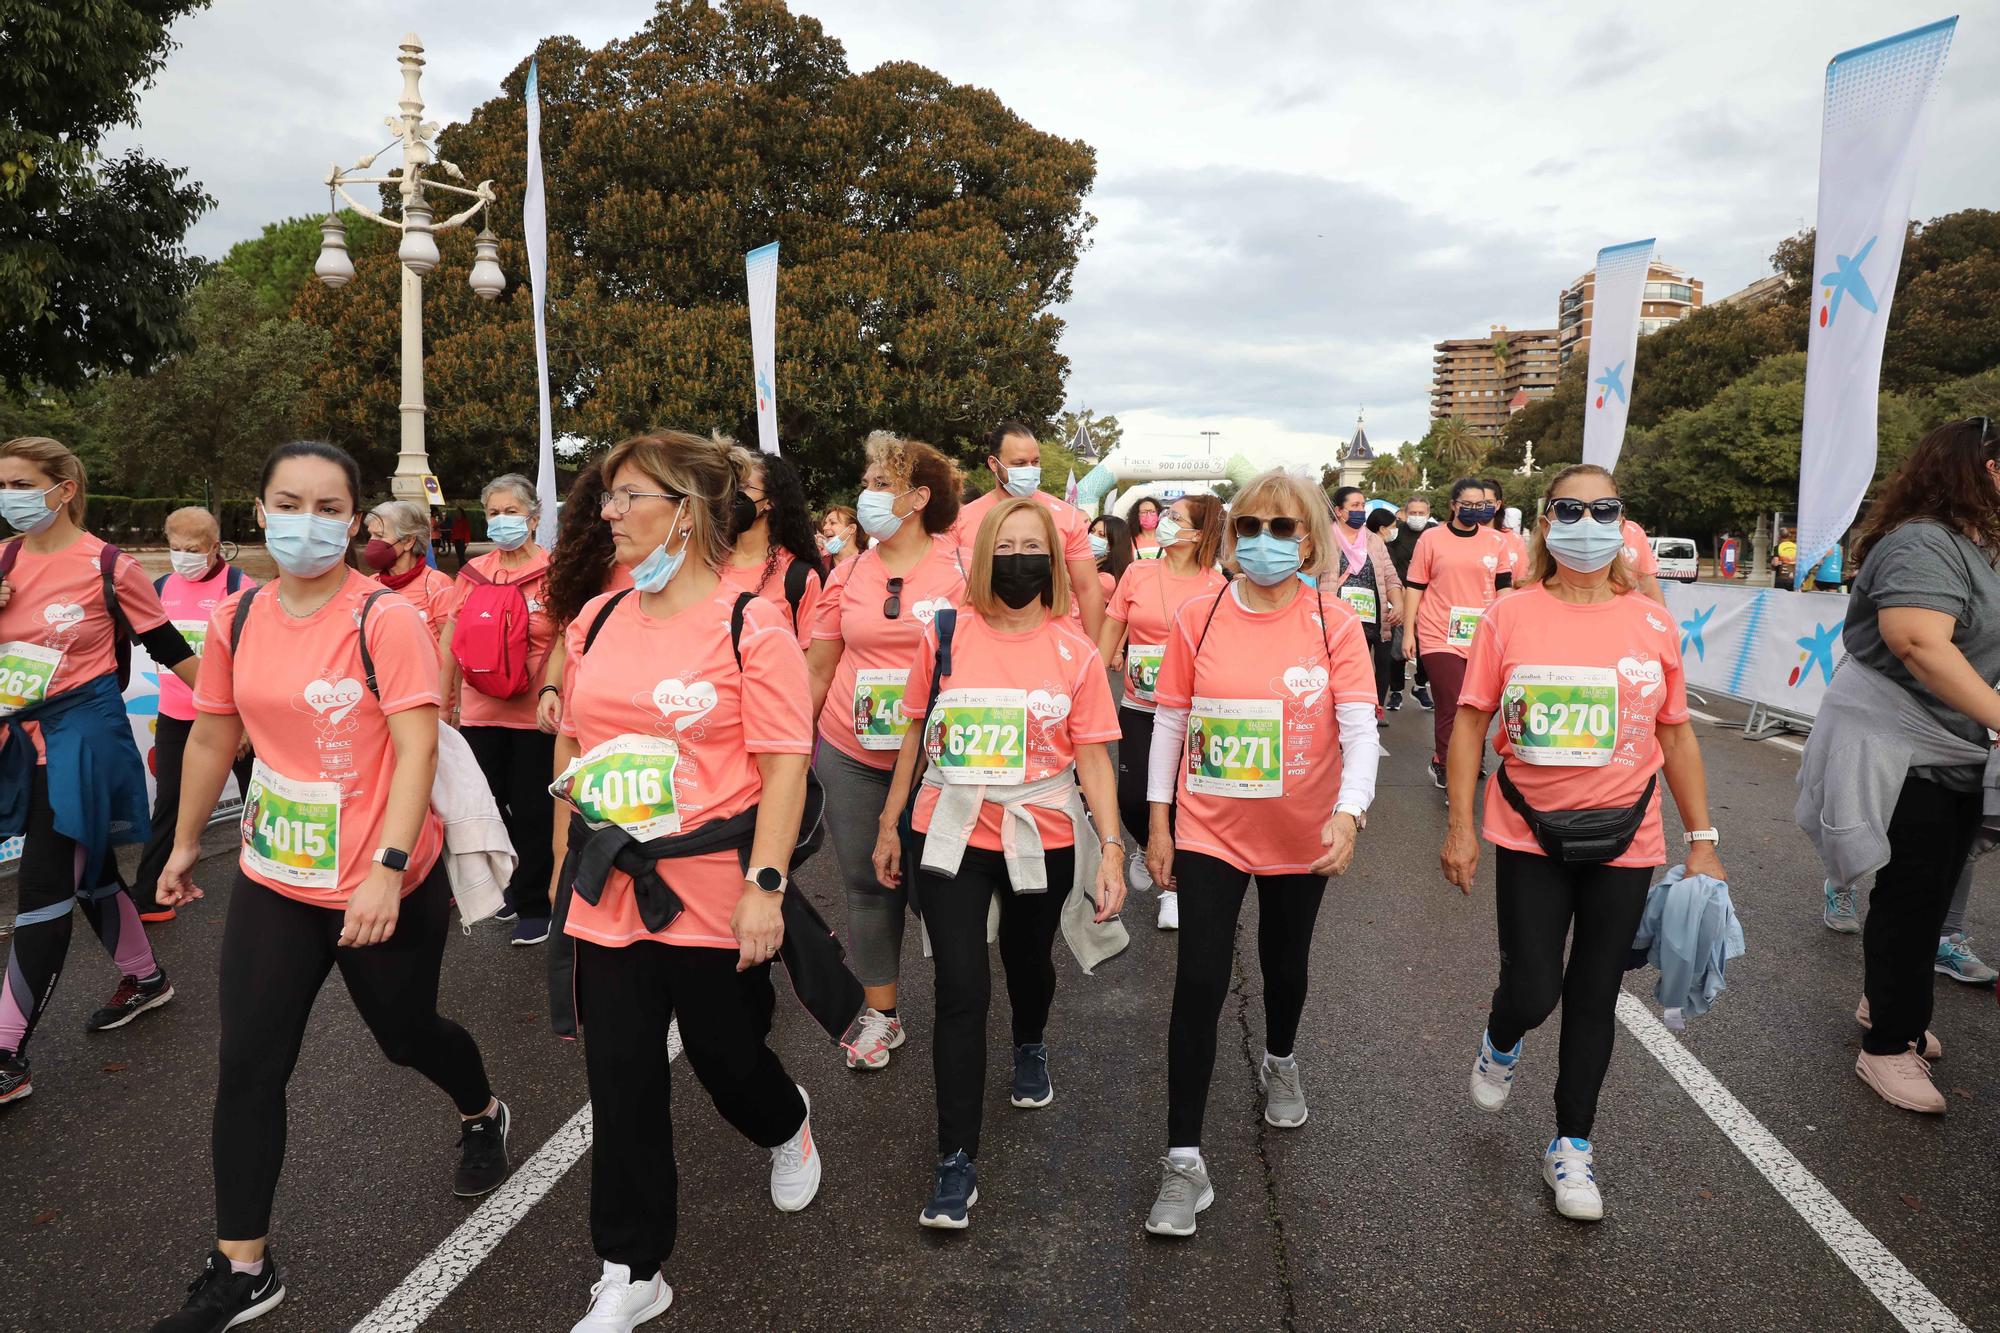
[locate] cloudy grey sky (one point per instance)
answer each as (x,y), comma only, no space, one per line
(1295,199)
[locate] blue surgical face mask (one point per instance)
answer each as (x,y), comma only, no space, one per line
(1023,480)
(305,545)
(1475,515)
(1099,548)
(657,570)
(1266,560)
(509,532)
(833,545)
(27,511)
(1586,545)
(1355,518)
(1169,530)
(876,512)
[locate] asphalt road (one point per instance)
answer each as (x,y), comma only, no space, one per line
(1396,1206)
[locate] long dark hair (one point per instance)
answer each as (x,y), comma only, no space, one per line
(1118,536)
(789,521)
(1944,479)
(584,549)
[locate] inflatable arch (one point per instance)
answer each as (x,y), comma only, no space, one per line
(1154,473)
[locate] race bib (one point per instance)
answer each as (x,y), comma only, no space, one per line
(1147,552)
(879,720)
(1462,621)
(1363,602)
(291,830)
(627,781)
(25,672)
(1142,669)
(980,736)
(195,632)
(1563,716)
(1236,747)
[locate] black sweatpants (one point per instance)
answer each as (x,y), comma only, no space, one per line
(955,915)
(1135,756)
(1211,898)
(170,740)
(1930,836)
(519,763)
(276,952)
(626,997)
(1537,901)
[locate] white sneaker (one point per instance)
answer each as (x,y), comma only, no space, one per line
(619,1305)
(1568,1168)
(1136,873)
(1170,910)
(875,1035)
(1493,1078)
(795,1166)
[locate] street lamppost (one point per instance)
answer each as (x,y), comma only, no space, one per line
(1208,442)
(418,250)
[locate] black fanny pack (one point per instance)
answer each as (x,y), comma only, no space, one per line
(1581,837)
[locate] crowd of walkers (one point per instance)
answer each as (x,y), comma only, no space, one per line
(1005,716)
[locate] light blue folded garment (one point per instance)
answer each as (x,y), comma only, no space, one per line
(1689,932)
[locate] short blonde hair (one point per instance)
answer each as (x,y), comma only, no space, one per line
(193,517)
(1278,490)
(53,461)
(696,466)
(979,578)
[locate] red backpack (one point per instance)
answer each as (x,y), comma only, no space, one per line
(491,638)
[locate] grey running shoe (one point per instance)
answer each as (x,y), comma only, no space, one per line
(1956,960)
(1136,873)
(1184,1191)
(1284,1099)
(1840,913)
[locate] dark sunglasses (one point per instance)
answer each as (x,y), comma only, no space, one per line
(892,605)
(1567,510)
(1284,529)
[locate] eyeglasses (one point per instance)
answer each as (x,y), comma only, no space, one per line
(892,605)
(620,502)
(1281,527)
(1985,427)
(1567,510)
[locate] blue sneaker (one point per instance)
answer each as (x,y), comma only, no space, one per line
(1956,960)
(956,1191)
(1570,1168)
(1840,913)
(1031,1075)
(506,915)
(1493,1074)
(531,930)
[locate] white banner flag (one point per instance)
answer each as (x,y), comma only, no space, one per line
(535,236)
(760,268)
(1871,134)
(1616,291)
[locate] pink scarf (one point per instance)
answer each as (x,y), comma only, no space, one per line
(1357,550)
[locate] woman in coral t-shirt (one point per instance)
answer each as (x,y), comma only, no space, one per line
(398,544)
(1145,520)
(1585,674)
(1137,621)
(1455,573)
(1264,749)
(341,864)
(668,736)
(870,620)
(1017,734)
(775,554)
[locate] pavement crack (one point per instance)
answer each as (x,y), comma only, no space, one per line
(1253,1059)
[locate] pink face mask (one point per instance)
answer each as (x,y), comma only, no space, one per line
(1149,520)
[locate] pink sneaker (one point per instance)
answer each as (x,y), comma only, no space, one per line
(1903,1080)
(875,1034)
(1933,1049)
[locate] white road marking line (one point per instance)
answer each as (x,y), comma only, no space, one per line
(1913,1305)
(1781,741)
(418,1296)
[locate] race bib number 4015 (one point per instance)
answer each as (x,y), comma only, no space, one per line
(1562,716)
(980,736)
(291,830)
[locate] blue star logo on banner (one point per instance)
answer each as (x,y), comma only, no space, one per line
(1610,382)
(1846,280)
(1691,632)
(146,705)
(764,393)
(1816,650)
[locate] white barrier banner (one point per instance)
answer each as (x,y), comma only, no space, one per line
(1763,645)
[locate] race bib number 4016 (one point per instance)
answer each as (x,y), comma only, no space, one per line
(980,736)
(1236,747)
(291,830)
(628,781)
(1562,716)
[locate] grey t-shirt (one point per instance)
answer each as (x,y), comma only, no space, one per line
(1925,564)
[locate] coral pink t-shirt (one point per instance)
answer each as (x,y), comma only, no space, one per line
(617,577)
(1580,690)
(1071,524)
(189,605)
(1032,697)
(1457,570)
(1146,600)
(861,718)
(1639,552)
(676,680)
(752,578)
(1263,739)
(481,710)
(1517,554)
(435,596)
(55,631)
(322,740)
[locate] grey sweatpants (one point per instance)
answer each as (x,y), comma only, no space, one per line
(855,795)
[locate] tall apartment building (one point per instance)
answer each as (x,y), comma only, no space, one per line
(1486,380)
(1671,295)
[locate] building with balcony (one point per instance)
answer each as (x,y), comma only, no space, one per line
(1486,380)
(1671,295)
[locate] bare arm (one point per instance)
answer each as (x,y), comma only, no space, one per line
(888,845)
(1110,639)
(822,660)
(1460,857)
(1688,781)
(1089,596)
(567,751)
(448,673)
(1412,599)
(1099,781)
(1921,640)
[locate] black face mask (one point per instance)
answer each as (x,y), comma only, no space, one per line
(1020,579)
(742,512)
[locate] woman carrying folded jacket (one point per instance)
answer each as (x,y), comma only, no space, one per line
(1585,673)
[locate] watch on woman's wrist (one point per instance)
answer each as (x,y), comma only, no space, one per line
(768,878)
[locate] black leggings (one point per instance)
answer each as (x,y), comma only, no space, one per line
(1536,902)
(276,952)
(1135,755)
(1211,899)
(169,752)
(519,763)
(1930,836)
(955,917)
(626,997)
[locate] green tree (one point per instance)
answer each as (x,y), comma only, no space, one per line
(1392,476)
(1454,443)
(92,269)
(278,265)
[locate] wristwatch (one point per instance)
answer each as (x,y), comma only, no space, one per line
(393,859)
(768,878)
(1360,816)
(1707,835)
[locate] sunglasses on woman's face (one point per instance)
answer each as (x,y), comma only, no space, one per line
(892,605)
(1567,510)
(1281,527)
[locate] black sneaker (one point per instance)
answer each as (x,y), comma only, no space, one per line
(14,1083)
(223,1298)
(482,1153)
(1031,1075)
(1437,775)
(132,998)
(1423,693)
(957,1189)
(1395,701)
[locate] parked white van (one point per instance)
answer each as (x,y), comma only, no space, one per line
(1677,557)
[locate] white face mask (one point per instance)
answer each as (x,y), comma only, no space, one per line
(190,565)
